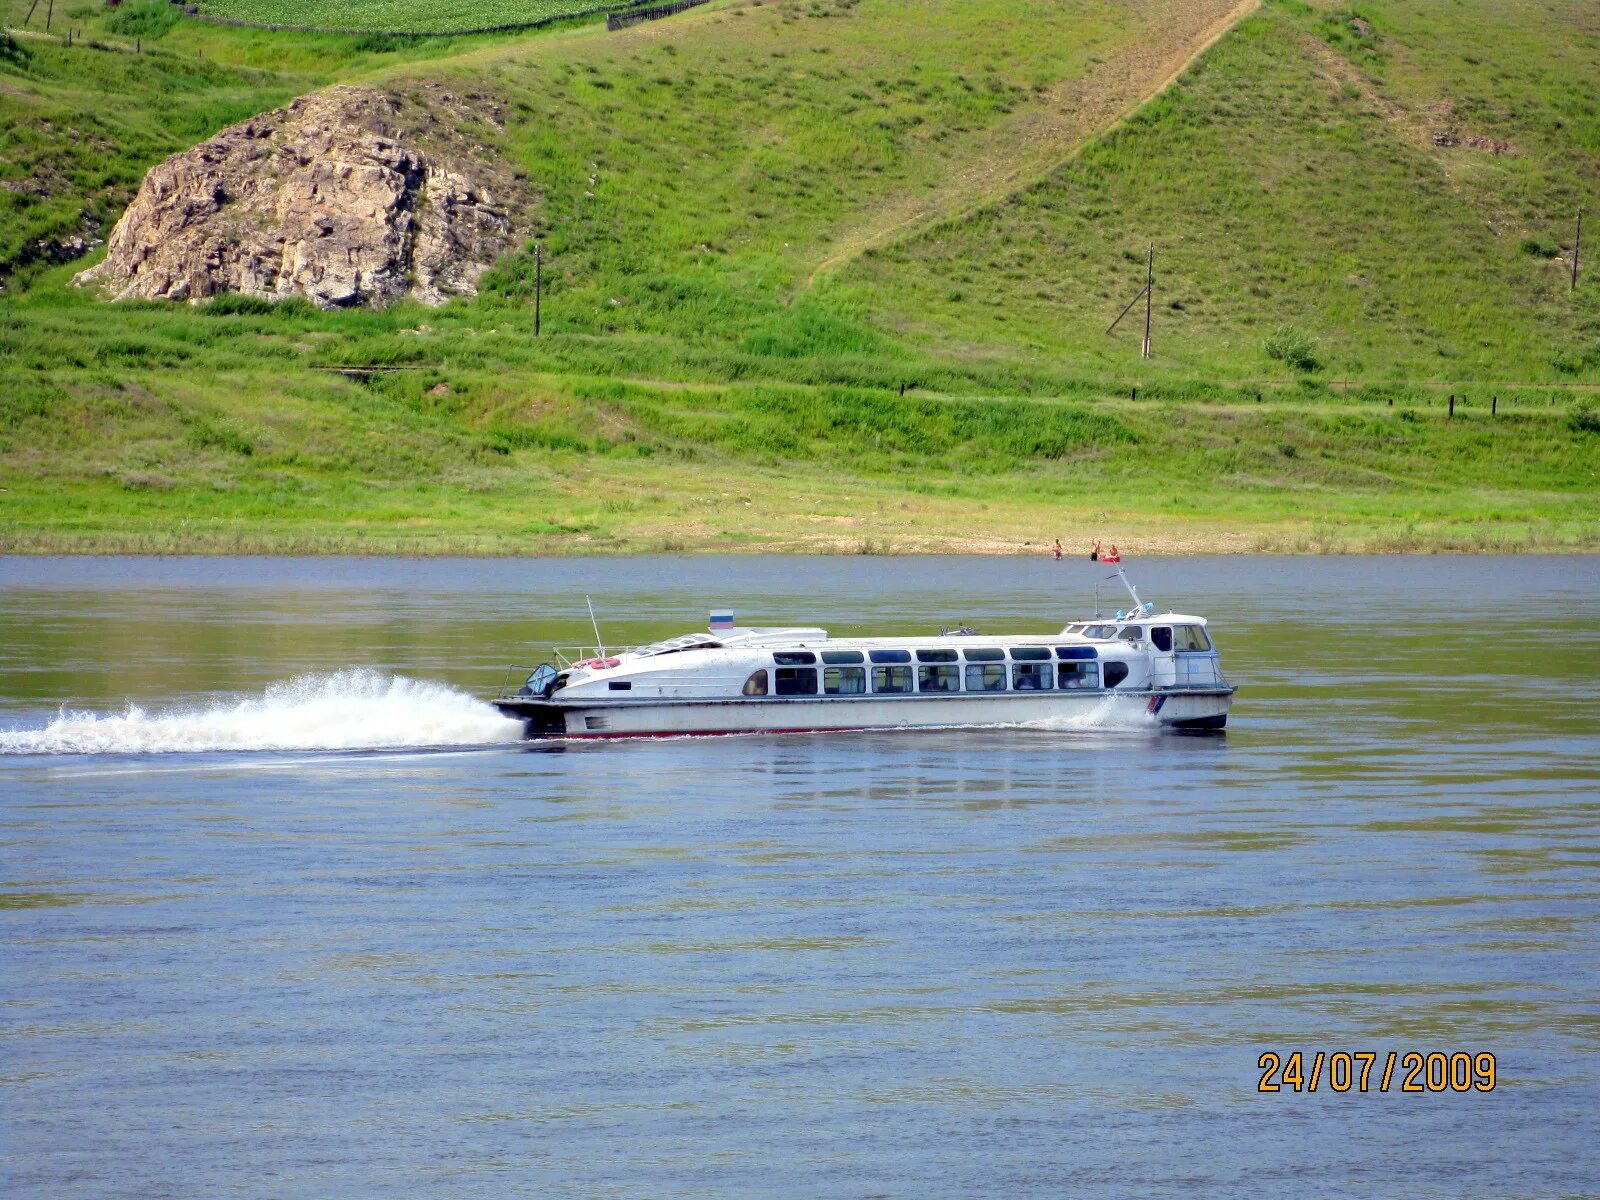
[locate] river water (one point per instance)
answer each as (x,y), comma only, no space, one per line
(284,913)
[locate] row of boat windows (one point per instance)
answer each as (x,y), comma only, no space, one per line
(1165,638)
(897,680)
(975,654)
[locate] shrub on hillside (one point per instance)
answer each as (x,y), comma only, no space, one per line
(243,304)
(1583,417)
(385,43)
(143,19)
(238,304)
(1292,346)
(10,51)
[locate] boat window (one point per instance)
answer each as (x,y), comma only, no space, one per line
(1099,633)
(1030,654)
(1161,638)
(890,679)
(986,677)
(936,656)
(1116,672)
(1030,677)
(889,656)
(1130,633)
(541,683)
(1191,637)
(1073,675)
(1077,652)
(795,658)
(1073,629)
(938,679)
(844,681)
(843,656)
(794,681)
(620,685)
(756,685)
(985,654)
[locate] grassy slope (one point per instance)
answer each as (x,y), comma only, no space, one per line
(515,447)
(695,172)
(1293,177)
(760,413)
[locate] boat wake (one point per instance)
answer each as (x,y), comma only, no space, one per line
(1110,714)
(347,710)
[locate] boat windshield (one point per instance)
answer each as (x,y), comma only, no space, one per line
(677,645)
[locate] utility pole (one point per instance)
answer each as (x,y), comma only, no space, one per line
(1144,294)
(1149,289)
(538,288)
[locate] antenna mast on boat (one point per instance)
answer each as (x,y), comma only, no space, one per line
(598,644)
(1138,605)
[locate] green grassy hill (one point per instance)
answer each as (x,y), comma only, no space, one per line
(764,219)
(1401,185)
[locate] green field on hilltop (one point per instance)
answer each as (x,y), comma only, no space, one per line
(418,16)
(762,222)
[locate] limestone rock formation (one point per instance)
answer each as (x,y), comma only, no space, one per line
(349,196)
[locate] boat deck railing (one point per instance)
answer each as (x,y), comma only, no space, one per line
(565,658)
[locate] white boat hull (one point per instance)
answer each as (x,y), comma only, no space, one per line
(1185,708)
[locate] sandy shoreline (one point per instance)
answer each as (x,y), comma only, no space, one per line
(1283,542)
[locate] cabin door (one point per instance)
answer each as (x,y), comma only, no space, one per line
(1163,662)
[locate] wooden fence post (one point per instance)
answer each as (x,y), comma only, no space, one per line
(1577,249)
(1452,405)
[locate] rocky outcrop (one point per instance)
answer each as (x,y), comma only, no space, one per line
(346,197)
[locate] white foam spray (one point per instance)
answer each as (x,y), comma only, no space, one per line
(1111,713)
(347,710)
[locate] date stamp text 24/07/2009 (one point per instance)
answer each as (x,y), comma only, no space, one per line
(1375,1071)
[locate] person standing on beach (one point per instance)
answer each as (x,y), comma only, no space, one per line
(1056,550)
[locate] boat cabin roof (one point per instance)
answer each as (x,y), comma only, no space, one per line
(1090,629)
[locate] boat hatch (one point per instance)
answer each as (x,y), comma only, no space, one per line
(677,645)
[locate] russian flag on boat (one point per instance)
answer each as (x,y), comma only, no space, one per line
(721,620)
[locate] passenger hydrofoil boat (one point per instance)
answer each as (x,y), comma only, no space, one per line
(1141,664)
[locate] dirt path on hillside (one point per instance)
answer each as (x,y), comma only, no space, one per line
(1051,131)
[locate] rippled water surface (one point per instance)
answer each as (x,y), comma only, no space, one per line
(283,913)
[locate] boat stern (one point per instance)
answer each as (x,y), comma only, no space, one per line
(540,718)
